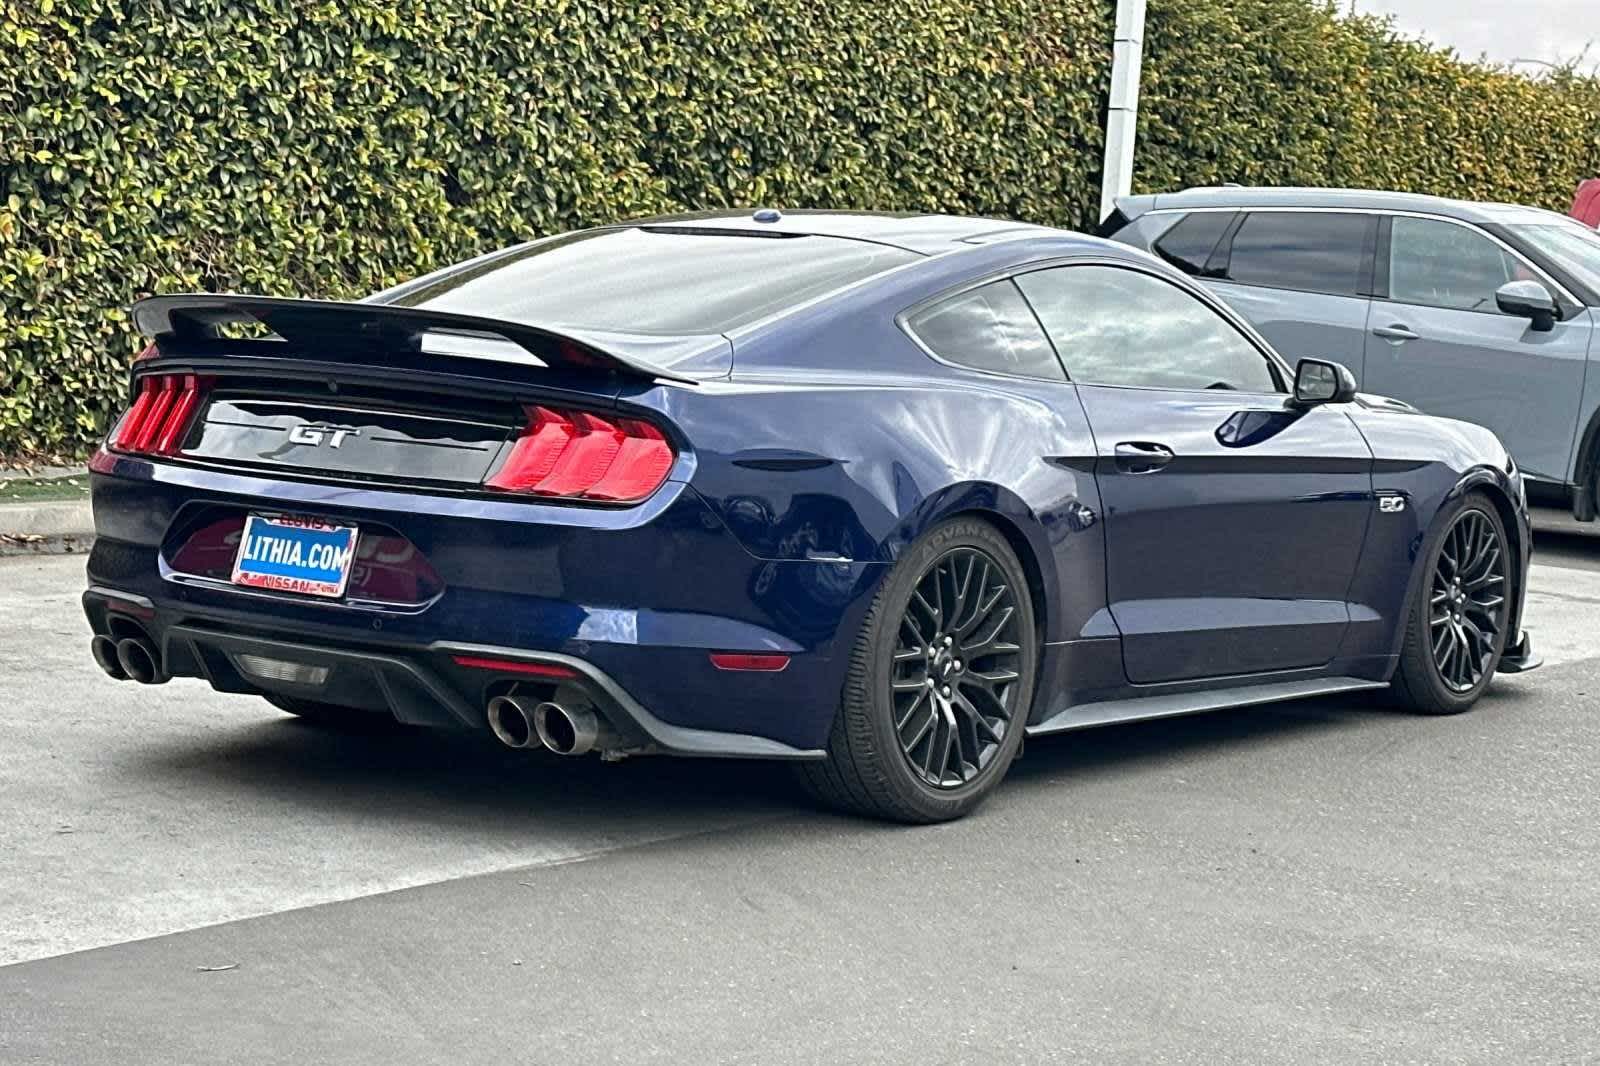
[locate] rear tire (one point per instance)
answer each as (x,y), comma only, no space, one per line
(336,717)
(940,683)
(1457,621)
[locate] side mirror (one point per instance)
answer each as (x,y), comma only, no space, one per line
(1528,299)
(1319,381)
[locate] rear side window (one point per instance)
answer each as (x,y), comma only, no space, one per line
(1322,252)
(1125,327)
(988,328)
(655,280)
(1189,245)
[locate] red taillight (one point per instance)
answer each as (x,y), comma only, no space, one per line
(581,455)
(515,666)
(161,414)
(761,662)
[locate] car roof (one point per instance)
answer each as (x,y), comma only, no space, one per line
(927,234)
(1353,199)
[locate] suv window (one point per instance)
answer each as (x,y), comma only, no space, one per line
(1124,327)
(1312,252)
(988,328)
(1189,244)
(1441,264)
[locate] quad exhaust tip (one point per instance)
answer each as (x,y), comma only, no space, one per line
(104,650)
(563,728)
(567,730)
(511,720)
(140,662)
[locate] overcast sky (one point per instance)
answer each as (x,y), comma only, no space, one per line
(1504,30)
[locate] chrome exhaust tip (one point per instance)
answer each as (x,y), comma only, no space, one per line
(104,650)
(570,730)
(138,659)
(511,719)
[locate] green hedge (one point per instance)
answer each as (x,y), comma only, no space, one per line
(292,147)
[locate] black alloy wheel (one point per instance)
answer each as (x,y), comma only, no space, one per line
(1459,617)
(940,683)
(956,667)
(1467,601)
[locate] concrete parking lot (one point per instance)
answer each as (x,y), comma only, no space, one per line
(187,877)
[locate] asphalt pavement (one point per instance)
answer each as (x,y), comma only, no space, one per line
(187,877)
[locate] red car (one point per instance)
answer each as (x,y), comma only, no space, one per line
(1586,205)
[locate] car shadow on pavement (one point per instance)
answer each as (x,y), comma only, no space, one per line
(442,779)
(1126,748)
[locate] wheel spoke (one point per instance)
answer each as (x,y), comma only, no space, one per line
(925,724)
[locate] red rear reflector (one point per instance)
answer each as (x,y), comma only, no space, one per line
(581,455)
(763,663)
(512,666)
(161,414)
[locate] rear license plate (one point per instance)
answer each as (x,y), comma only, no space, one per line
(289,554)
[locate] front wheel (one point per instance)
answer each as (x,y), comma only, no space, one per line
(1457,622)
(940,683)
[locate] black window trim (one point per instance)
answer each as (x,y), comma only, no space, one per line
(1279,366)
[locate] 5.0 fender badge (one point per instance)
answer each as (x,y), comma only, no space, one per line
(1391,502)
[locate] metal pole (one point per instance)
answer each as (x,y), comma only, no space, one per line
(1122,118)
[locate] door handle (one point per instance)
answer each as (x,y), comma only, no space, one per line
(1141,457)
(1397,333)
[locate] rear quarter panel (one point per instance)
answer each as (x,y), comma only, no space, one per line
(874,442)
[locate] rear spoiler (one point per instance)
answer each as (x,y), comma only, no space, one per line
(193,318)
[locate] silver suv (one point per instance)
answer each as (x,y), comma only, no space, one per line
(1483,312)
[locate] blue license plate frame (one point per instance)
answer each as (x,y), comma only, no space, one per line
(296,554)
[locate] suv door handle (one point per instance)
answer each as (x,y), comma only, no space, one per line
(1141,457)
(1397,333)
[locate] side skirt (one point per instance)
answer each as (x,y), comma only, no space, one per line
(1140,708)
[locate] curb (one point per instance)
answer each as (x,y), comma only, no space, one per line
(50,527)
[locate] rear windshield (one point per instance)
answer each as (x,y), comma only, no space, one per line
(655,281)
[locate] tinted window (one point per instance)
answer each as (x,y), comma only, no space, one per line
(654,281)
(1441,264)
(1123,327)
(988,328)
(1314,252)
(1189,244)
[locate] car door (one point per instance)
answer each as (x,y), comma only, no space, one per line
(1302,278)
(1234,521)
(1436,340)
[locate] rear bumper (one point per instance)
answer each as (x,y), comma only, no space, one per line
(634,601)
(420,686)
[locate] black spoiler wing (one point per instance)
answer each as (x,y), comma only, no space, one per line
(194,318)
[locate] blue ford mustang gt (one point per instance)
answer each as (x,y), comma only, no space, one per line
(879,495)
